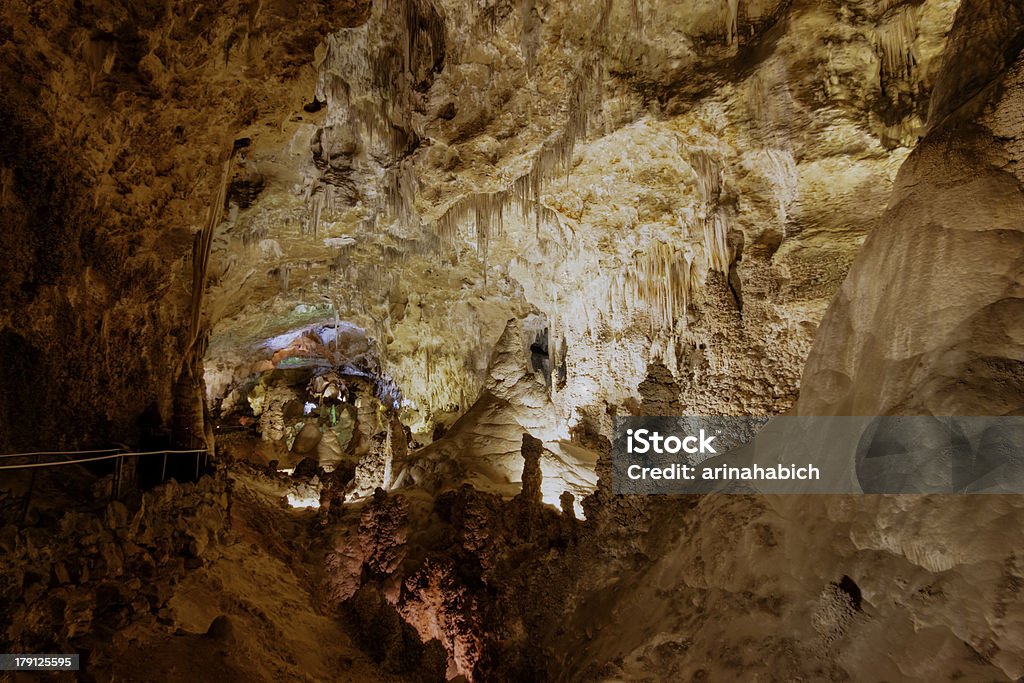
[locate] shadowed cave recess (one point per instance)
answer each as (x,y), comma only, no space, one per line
(367,282)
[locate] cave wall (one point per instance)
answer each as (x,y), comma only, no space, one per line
(929,319)
(117,116)
(87,345)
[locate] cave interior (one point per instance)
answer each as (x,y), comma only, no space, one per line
(316,321)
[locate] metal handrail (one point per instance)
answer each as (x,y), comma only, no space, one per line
(111,456)
(25,455)
(120,458)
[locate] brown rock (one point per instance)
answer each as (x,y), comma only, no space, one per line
(532,477)
(307,439)
(222,629)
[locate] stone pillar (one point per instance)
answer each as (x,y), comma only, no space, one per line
(532,477)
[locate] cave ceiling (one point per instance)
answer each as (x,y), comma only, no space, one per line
(683,184)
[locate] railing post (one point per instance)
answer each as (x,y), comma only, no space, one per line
(115,490)
(31,488)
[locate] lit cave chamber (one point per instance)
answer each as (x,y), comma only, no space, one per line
(316,320)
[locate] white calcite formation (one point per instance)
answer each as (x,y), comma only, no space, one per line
(686,185)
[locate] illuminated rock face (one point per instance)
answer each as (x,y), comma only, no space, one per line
(685,186)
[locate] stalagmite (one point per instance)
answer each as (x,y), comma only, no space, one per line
(531,495)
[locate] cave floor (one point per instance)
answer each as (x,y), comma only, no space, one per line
(262,581)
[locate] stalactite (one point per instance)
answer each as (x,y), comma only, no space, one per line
(491,14)
(334,89)
(525,198)
(256,233)
(394,257)
(201,255)
(400,195)
(489,217)
(359,74)
(281,273)
(423,28)
(330,200)
(370,120)
(447,230)
(713,219)
(342,259)
(316,206)
(418,31)
(487,210)
(716,245)
(363,78)
(709,175)
(584,104)
(732,8)
(894,43)
(381,332)
(585,100)
(381,275)
(656,283)
(529,34)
